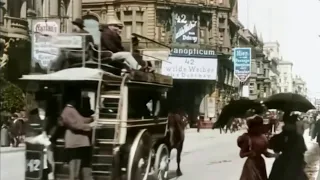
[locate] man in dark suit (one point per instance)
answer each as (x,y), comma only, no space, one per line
(316,130)
(111,41)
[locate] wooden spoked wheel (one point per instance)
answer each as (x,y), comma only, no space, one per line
(140,157)
(161,163)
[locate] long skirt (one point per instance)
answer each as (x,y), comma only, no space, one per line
(288,167)
(254,169)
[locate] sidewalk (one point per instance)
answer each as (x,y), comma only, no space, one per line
(312,156)
(12,149)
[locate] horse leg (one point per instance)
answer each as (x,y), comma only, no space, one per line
(179,151)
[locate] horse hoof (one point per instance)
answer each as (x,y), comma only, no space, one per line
(179,173)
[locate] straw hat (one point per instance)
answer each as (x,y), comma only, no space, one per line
(112,19)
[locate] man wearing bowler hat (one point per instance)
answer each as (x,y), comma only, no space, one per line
(70,55)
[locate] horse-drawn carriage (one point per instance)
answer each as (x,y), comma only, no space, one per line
(130,141)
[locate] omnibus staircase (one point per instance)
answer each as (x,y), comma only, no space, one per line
(104,138)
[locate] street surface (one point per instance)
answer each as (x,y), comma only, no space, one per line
(207,155)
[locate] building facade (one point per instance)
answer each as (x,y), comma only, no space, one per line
(286,76)
(17,27)
(299,86)
(202,28)
(272,52)
(258,83)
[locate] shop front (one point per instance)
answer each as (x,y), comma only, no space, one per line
(194,72)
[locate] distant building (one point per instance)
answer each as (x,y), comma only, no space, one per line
(299,86)
(272,51)
(286,78)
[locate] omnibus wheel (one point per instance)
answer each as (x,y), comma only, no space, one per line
(161,163)
(139,162)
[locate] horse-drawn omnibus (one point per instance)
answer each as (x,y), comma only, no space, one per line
(130,140)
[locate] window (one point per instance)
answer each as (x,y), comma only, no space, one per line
(139,28)
(138,109)
(264,89)
(128,30)
(258,86)
(251,91)
(285,90)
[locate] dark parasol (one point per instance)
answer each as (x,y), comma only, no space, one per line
(288,102)
(236,109)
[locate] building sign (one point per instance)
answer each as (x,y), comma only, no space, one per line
(190,68)
(242,63)
(192,52)
(43,51)
(186,28)
(67,41)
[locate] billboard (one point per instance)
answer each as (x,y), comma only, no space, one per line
(190,68)
(186,28)
(242,63)
(43,51)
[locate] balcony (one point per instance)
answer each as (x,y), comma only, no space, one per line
(13,27)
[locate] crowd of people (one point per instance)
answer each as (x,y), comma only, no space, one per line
(288,149)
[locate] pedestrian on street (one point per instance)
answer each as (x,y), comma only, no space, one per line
(290,164)
(253,144)
(77,142)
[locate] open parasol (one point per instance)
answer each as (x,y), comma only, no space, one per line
(288,102)
(235,109)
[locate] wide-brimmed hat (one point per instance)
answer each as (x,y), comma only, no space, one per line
(78,22)
(113,20)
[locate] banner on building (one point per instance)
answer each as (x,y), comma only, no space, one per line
(190,68)
(186,28)
(242,63)
(43,51)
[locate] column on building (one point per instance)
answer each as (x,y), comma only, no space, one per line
(74,11)
(54,8)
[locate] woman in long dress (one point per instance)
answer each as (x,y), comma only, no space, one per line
(253,144)
(290,164)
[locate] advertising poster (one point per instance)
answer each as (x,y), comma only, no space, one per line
(242,63)
(43,51)
(186,28)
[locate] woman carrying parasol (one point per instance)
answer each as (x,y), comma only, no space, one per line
(253,145)
(290,164)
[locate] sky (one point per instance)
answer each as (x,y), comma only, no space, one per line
(295,24)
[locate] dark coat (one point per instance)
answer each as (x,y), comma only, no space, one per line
(111,41)
(316,131)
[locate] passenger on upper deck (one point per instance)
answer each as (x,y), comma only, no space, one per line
(67,56)
(111,41)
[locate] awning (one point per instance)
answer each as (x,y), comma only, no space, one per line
(71,74)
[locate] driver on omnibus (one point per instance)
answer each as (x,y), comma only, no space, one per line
(111,41)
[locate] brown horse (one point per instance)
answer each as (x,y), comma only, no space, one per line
(176,135)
